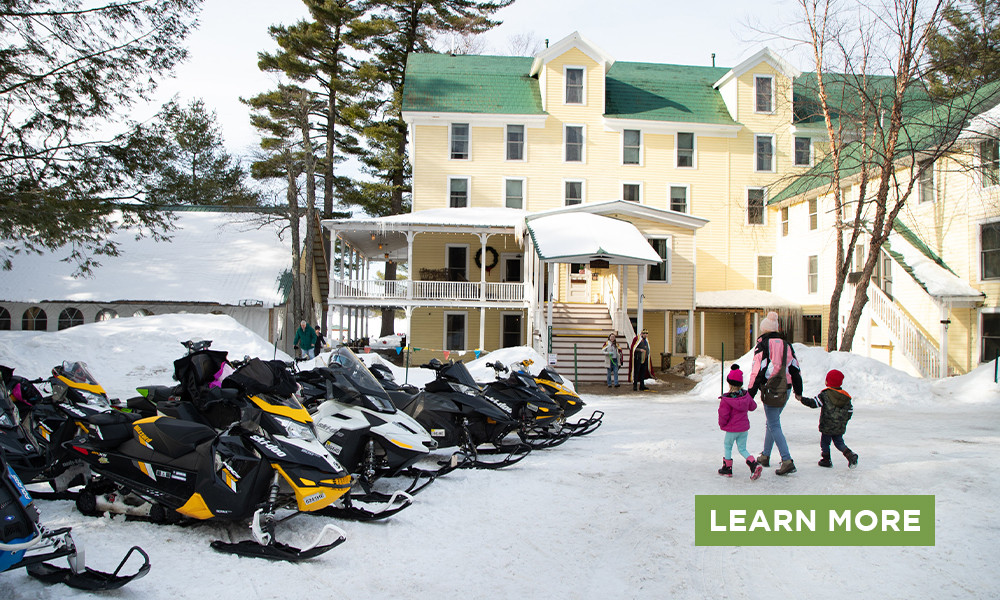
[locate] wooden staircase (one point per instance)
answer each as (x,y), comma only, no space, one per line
(583,328)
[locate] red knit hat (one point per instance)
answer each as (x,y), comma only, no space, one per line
(834,378)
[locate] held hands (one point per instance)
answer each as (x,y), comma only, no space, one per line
(799,398)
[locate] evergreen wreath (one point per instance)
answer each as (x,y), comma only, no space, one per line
(494,257)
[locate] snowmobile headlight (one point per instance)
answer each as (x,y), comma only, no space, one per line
(296,430)
(467,389)
(99,401)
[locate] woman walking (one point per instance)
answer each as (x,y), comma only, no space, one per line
(612,358)
(775,373)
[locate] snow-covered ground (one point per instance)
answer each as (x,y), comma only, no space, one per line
(608,515)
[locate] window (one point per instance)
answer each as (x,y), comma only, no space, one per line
(515,142)
(784,221)
(107,314)
(813,274)
(70,317)
(4,319)
(764,273)
(925,188)
(812,329)
(34,319)
(661,270)
(457,261)
(514,193)
(142,312)
(632,192)
(458,192)
(813,214)
(763,93)
(990,336)
(685,150)
(887,274)
(681,327)
(460,141)
(454,331)
(755,206)
(859,257)
(679,198)
(764,153)
(574,85)
(573,138)
(989,243)
(573,193)
(803,151)
(631,146)
(989,162)
(512,270)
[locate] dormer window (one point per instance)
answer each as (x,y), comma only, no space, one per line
(763,93)
(574,85)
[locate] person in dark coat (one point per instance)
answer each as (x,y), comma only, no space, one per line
(320,341)
(640,362)
(836,410)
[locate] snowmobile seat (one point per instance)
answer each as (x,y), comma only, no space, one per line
(171,437)
(111,429)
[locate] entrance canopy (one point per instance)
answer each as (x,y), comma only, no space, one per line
(579,237)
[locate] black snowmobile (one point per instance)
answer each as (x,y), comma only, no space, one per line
(453,409)
(232,453)
(53,419)
(17,441)
(555,386)
(358,423)
(24,542)
(540,417)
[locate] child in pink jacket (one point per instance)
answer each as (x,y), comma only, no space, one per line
(733,408)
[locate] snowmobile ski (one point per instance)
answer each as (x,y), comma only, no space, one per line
(585,426)
(389,505)
(284,552)
(86,578)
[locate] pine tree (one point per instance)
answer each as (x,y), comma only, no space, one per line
(964,50)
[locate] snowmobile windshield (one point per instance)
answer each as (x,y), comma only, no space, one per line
(459,373)
(550,375)
(371,390)
(77,372)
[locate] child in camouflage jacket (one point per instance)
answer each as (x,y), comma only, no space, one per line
(835,411)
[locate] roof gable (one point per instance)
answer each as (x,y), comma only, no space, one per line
(763,55)
(573,40)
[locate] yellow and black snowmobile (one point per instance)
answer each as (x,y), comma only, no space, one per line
(558,389)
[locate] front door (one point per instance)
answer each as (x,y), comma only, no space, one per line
(578,287)
(512,328)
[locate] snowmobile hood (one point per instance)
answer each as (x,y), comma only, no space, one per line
(459,373)
(361,379)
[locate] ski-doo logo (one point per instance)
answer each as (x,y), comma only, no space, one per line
(326,426)
(72,410)
(498,404)
(21,490)
(274,448)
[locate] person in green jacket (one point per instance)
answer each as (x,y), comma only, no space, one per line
(835,411)
(305,340)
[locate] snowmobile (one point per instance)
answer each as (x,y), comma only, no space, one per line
(453,409)
(243,451)
(358,423)
(24,542)
(540,417)
(17,442)
(554,385)
(55,418)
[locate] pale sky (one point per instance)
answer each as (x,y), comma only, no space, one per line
(223,52)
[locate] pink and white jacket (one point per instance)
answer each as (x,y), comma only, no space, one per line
(764,366)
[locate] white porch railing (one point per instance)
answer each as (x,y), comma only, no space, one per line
(922,352)
(377,289)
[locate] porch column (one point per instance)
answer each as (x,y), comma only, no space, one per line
(756,325)
(548,328)
(482,327)
(482,267)
(625,320)
(528,283)
(747,331)
(701,342)
(639,301)
(945,321)
(690,333)
(340,309)
(409,264)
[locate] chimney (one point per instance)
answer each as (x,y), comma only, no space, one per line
(713,59)
(546,42)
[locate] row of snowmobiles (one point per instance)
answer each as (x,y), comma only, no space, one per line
(250,440)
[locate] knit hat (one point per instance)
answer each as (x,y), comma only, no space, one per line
(770,323)
(735,376)
(834,378)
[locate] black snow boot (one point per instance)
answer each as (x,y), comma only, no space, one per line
(852,458)
(786,467)
(824,460)
(727,468)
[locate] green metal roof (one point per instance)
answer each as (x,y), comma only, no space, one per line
(658,92)
(471,84)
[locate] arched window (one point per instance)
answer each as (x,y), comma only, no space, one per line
(34,319)
(4,319)
(70,317)
(142,312)
(106,315)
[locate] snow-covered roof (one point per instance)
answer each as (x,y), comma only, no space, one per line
(454,217)
(757,299)
(582,237)
(936,279)
(212,256)
(984,125)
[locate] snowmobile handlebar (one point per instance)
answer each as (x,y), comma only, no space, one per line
(194,346)
(498,366)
